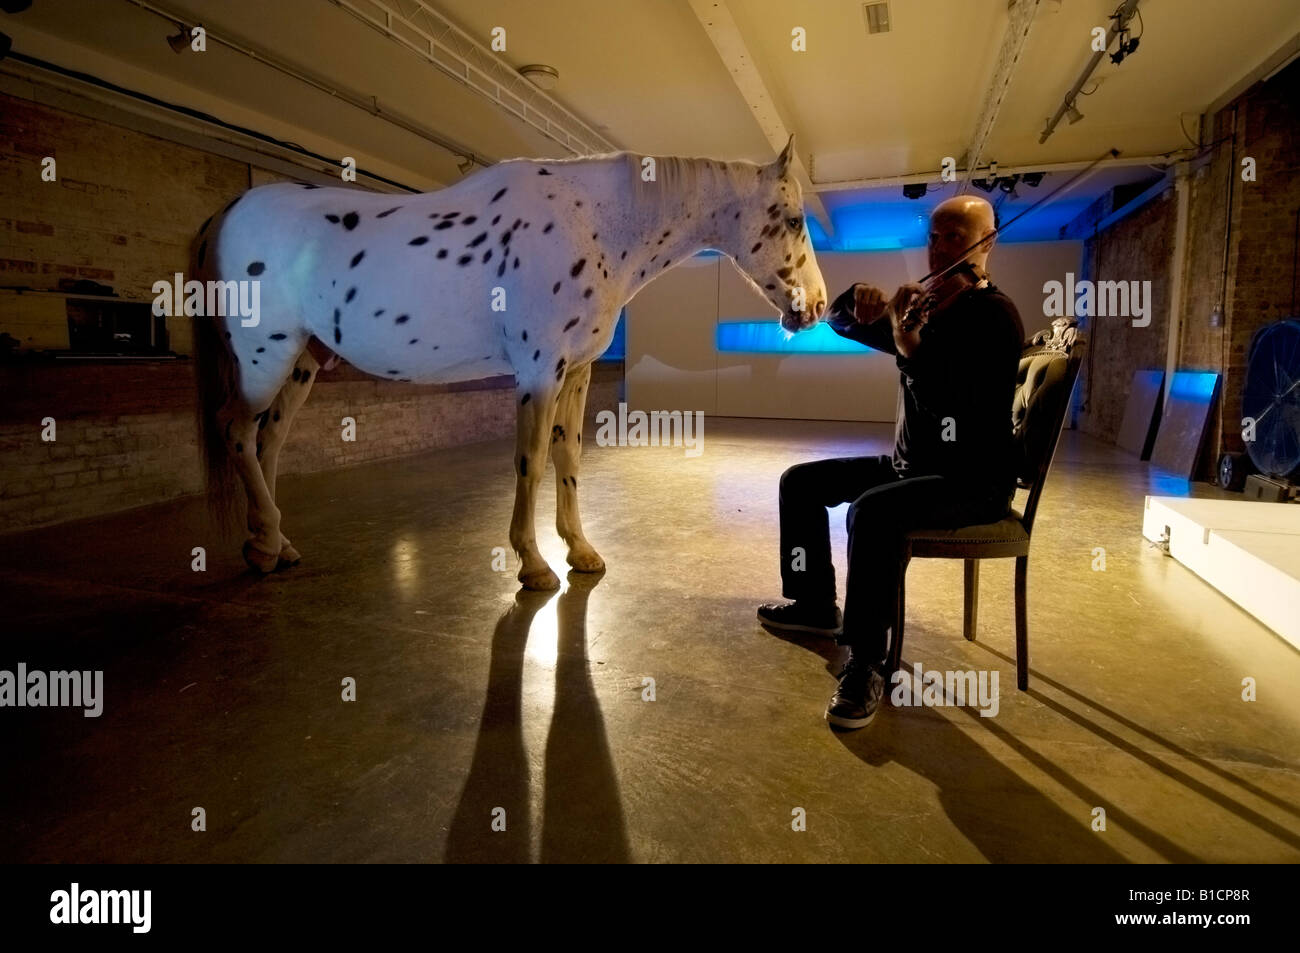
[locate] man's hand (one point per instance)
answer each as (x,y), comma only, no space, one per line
(906,296)
(868,304)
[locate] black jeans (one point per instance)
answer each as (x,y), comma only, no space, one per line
(884,509)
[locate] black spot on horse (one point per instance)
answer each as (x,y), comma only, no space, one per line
(770,287)
(477,240)
(555,288)
(559,369)
(413,341)
(587,293)
(501,268)
(332,219)
(260,350)
(622,256)
(571,323)
(523,461)
(350,220)
(254,360)
(388,212)
(497,196)
(524,335)
(525,400)
(495,219)
(394,372)
(469,220)
(487,255)
(379,312)
(542,172)
(802,259)
(548,228)
(356,259)
(516,263)
(537,354)
(557,433)
(402,319)
(595,330)
(783,272)
(441,225)
(418,240)
(442,253)
(278,336)
(577,268)
(737,215)
(505,237)
(296,374)
(464,259)
(446,214)
(352,293)
(338,336)
(757,246)
(336,315)
(667,262)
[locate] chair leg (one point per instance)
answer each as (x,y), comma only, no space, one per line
(1022,625)
(896,635)
(972,598)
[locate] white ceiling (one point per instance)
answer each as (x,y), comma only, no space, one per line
(645,74)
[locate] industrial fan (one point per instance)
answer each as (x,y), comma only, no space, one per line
(1271,399)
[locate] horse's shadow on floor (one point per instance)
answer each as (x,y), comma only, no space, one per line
(582,814)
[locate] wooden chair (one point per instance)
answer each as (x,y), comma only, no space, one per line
(1049,366)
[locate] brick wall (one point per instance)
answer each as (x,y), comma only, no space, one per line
(126,436)
(1256,289)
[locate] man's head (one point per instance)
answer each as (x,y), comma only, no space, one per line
(955,225)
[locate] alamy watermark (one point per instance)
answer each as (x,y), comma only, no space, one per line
(35,689)
(1101,299)
(658,428)
(193,298)
(936,689)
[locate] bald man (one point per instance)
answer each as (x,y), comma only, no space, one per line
(952,463)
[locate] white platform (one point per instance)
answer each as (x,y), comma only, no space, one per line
(1249,551)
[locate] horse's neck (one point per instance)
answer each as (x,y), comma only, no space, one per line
(659,234)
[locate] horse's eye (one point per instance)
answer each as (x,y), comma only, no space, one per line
(795,223)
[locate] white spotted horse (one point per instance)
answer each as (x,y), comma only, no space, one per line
(402,287)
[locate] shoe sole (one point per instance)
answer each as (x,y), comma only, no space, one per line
(852,724)
(788,627)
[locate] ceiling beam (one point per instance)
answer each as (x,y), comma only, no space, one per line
(720,25)
(845,185)
(1020,17)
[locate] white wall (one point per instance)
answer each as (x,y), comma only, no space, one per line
(673,362)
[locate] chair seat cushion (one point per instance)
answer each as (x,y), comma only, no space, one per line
(1009,530)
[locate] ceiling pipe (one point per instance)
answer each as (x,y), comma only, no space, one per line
(844,185)
(1123,15)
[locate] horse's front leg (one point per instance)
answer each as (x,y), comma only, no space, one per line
(566,448)
(537,404)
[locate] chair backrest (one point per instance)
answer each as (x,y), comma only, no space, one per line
(1049,367)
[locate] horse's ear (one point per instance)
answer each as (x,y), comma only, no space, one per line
(783,160)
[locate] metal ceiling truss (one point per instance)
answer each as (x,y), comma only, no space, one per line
(418,27)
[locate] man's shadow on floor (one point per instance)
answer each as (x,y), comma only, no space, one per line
(582,814)
(1005,817)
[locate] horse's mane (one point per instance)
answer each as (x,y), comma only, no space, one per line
(674,175)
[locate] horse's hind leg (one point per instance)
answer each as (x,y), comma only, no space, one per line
(273,429)
(566,448)
(262,549)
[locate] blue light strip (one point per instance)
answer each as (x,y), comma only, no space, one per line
(1196,386)
(768,337)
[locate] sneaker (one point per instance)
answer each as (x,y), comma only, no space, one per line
(799,617)
(856,701)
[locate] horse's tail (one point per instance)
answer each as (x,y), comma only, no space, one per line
(215,387)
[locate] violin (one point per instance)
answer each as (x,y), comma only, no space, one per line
(940,291)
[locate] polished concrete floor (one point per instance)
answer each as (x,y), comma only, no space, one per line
(222,690)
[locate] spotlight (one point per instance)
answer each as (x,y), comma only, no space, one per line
(915,190)
(1126,46)
(181,41)
(1032,179)
(1072,113)
(1008,184)
(984,185)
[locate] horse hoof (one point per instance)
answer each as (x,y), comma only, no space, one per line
(588,561)
(288,557)
(542,580)
(256,559)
